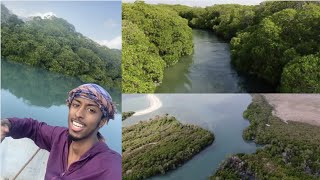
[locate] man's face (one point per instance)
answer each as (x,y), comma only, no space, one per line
(84,119)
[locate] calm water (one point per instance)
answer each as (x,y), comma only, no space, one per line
(219,113)
(208,70)
(39,94)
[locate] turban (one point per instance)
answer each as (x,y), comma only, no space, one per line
(97,94)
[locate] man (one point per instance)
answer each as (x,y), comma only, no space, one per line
(77,152)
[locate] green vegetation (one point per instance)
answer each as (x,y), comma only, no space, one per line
(153,37)
(159,145)
(271,40)
(291,151)
(266,48)
(126,115)
(303,71)
(225,20)
(53,44)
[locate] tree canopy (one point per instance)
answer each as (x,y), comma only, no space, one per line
(265,38)
(153,37)
(159,145)
(53,43)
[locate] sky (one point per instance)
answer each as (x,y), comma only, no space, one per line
(97,20)
(201,3)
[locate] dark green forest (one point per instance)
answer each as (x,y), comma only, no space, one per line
(126,115)
(159,145)
(291,150)
(152,38)
(53,44)
(276,41)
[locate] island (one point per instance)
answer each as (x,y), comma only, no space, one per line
(160,144)
(126,115)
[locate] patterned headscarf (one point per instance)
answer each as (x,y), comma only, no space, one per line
(97,94)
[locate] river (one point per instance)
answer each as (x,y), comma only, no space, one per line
(208,70)
(39,94)
(219,113)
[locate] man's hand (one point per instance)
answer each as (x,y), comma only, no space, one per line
(5,128)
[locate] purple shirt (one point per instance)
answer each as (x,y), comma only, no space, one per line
(98,163)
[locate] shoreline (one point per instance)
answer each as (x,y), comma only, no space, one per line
(304,108)
(154,104)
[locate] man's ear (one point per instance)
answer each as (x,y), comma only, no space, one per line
(103,122)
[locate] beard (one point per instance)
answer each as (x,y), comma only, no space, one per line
(73,138)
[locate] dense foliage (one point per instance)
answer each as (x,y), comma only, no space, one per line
(159,145)
(303,71)
(291,151)
(142,66)
(225,20)
(266,38)
(126,115)
(278,39)
(53,43)
(153,37)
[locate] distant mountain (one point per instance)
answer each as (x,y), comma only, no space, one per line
(53,43)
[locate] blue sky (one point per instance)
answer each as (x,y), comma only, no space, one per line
(98,20)
(201,3)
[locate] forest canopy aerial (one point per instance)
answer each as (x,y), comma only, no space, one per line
(276,41)
(153,37)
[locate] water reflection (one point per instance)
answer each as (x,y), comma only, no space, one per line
(208,70)
(39,87)
(39,94)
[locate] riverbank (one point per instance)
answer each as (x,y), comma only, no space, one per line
(291,149)
(159,145)
(154,104)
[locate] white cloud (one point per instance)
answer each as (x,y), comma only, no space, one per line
(26,14)
(115,43)
(43,15)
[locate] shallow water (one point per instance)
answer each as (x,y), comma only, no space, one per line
(208,70)
(219,113)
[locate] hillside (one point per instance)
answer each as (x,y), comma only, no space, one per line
(54,44)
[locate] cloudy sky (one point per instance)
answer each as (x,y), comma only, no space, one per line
(201,3)
(98,20)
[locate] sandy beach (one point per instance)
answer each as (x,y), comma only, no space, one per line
(296,107)
(154,104)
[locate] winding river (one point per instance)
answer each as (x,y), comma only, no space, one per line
(208,70)
(219,113)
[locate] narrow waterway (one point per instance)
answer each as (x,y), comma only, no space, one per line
(219,113)
(208,70)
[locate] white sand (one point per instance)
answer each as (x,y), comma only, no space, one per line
(154,104)
(296,107)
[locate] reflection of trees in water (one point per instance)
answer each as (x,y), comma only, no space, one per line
(37,86)
(178,76)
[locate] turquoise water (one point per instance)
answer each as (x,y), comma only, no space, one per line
(208,70)
(219,113)
(39,94)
